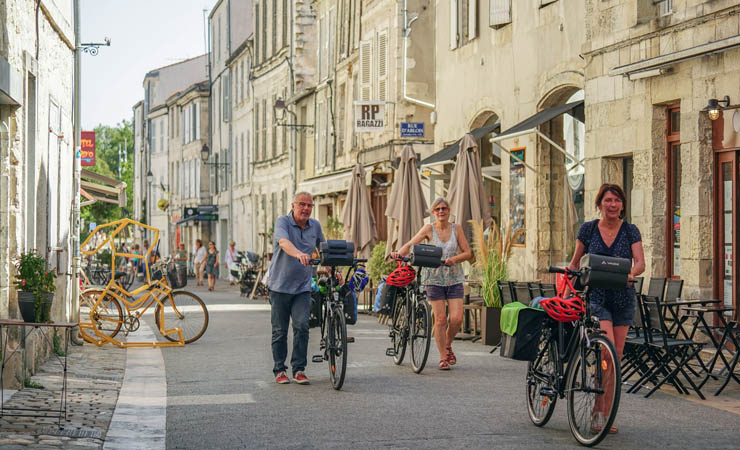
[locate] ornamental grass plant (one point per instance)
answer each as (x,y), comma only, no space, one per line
(491,255)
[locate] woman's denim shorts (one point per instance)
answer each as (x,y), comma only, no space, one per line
(444,292)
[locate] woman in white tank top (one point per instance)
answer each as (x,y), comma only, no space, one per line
(444,285)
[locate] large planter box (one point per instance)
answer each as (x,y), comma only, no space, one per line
(28,309)
(490,326)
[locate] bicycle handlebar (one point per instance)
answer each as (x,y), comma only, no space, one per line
(316,262)
(565,270)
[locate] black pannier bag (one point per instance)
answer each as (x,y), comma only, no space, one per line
(349,302)
(523,345)
(605,272)
(387,300)
(423,255)
(314,313)
(337,253)
(177,276)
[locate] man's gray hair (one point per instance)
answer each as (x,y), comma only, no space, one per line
(302,194)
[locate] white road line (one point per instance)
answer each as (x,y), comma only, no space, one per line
(215,399)
(140,418)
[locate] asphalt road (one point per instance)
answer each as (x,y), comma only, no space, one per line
(221,394)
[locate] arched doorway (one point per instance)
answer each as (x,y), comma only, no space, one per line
(563,188)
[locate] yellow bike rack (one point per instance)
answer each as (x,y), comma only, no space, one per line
(157,289)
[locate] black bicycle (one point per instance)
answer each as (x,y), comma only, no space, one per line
(334,328)
(412,317)
(575,360)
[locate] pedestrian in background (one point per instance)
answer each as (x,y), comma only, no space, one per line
(230,261)
(295,239)
(200,261)
(212,265)
(181,257)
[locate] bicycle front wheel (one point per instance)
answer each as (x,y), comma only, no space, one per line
(594,381)
(107,317)
(336,347)
(541,376)
(399,330)
(186,311)
(421,335)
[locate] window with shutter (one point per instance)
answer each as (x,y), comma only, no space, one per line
(365,70)
(196,108)
(257,26)
(453,24)
(274,27)
(472,19)
(274,131)
(264,31)
(257,131)
(331,33)
(285,23)
(499,13)
(383,65)
(264,130)
(321,49)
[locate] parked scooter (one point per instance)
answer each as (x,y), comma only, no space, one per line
(248,270)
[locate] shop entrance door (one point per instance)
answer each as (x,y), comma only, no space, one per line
(727,214)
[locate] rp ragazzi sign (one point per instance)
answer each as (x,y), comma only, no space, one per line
(369,116)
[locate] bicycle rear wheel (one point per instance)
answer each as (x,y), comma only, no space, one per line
(593,386)
(186,311)
(399,330)
(541,376)
(107,317)
(336,347)
(421,335)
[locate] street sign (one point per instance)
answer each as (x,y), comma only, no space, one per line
(370,117)
(87,148)
(412,129)
(92,226)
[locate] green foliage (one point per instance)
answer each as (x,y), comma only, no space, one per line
(108,140)
(334,228)
(57,342)
(32,384)
(32,276)
(377,266)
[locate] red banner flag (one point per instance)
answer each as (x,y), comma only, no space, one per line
(87,148)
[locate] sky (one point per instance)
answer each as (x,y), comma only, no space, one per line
(145,35)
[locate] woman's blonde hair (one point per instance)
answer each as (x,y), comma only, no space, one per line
(436,203)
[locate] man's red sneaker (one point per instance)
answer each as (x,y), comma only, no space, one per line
(300,378)
(282,378)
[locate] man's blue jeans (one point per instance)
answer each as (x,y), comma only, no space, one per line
(285,307)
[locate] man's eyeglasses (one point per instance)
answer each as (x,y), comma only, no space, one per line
(441,208)
(305,205)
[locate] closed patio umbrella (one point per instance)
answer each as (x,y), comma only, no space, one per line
(407,206)
(357,216)
(467,193)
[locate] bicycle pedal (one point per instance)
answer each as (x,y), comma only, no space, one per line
(390,352)
(317,358)
(547,392)
(350,339)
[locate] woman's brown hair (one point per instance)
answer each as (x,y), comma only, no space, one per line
(614,189)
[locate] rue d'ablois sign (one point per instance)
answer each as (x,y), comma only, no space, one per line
(370,117)
(412,129)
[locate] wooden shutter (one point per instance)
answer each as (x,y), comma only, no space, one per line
(472,19)
(499,12)
(365,70)
(383,65)
(197,121)
(453,24)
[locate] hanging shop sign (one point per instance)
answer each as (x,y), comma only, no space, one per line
(370,117)
(87,148)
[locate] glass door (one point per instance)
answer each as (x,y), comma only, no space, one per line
(727,228)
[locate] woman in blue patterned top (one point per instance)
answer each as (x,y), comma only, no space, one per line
(612,236)
(444,285)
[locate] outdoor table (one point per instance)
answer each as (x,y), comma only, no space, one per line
(35,412)
(727,337)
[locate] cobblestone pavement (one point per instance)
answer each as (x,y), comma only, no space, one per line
(94,378)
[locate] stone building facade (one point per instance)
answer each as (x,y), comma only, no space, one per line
(36,154)
(650,72)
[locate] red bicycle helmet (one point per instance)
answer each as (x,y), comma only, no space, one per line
(564,309)
(401,276)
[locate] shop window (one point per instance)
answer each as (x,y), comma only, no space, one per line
(673,213)
(517,193)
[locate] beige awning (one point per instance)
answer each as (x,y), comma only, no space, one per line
(335,182)
(102,188)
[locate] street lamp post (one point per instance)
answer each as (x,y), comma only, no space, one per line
(149,180)
(205,154)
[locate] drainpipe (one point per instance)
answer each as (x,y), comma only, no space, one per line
(293,131)
(75,241)
(405,32)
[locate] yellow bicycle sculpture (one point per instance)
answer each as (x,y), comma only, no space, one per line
(106,314)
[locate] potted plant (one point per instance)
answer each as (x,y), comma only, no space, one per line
(491,258)
(36,287)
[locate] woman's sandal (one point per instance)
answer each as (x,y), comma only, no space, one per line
(451,357)
(598,427)
(444,365)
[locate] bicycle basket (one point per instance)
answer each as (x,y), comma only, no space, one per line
(177,276)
